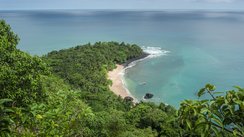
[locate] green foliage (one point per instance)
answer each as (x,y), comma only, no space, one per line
(138,133)
(86,66)
(218,116)
(75,100)
(149,115)
(108,123)
(8,36)
(63,113)
(5,119)
(20,72)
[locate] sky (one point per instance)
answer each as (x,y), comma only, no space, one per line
(122,4)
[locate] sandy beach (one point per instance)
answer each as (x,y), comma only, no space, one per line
(117,86)
(116,76)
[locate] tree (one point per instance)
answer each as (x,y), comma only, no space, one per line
(149,115)
(20,73)
(5,119)
(218,116)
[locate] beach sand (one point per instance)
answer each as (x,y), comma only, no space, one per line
(118,86)
(116,76)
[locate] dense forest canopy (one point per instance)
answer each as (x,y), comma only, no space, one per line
(65,93)
(86,66)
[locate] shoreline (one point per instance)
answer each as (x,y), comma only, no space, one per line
(128,62)
(118,86)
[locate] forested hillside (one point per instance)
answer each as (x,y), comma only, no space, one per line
(65,93)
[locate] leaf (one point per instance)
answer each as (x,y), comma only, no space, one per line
(210,87)
(8,111)
(201,125)
(216,131)
(201,92)
(38,116)
(217,121)
(188,124)
(218,92)
(203,134)
(5,100)
(204,110)
(239,88)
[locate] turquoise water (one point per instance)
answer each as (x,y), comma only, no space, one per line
(205,47)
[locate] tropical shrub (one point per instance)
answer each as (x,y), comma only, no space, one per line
(20,72)
(221,115)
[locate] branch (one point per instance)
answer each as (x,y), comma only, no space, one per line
(211,94)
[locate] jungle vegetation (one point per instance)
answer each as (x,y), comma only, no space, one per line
(66,93)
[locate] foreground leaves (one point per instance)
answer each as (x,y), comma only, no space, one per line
(218,116)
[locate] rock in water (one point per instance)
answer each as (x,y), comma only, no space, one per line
(148,96)
(128,98)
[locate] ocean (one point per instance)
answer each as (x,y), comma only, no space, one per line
(190,48)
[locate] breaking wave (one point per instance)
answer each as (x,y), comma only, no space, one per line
(153,53)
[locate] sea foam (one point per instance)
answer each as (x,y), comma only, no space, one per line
(152,51)
(155,51)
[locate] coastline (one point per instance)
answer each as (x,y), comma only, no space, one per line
(143,56)
(118,86)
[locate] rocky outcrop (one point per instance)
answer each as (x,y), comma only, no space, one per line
(128,99)
(148,96)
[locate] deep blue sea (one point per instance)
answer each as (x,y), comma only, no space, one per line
(203,46)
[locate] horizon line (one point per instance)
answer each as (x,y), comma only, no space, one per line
(219,10)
